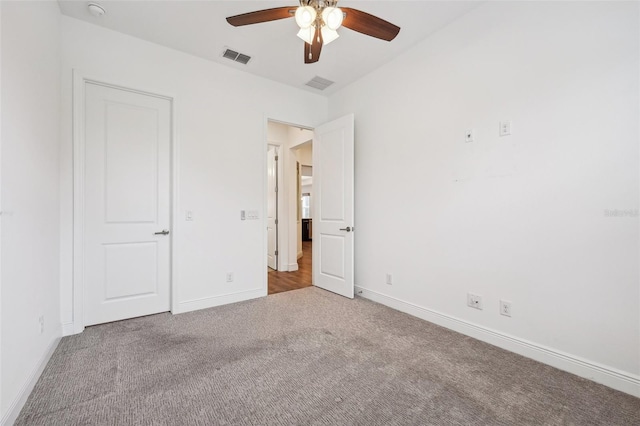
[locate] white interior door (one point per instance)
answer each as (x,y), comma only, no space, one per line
(333,206)
(272,207)
(127,204)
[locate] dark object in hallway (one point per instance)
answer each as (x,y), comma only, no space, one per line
(306,229)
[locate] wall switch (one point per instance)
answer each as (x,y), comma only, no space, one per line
(41,321)
(229,277)
(243,215)
(474,301)
(389,279)
(189,215)
(468,136)
(505,128)
(252,214)
(505,308)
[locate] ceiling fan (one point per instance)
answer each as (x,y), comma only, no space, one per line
(318,21)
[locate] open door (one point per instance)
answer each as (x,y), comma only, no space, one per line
(272,207)
(333,206)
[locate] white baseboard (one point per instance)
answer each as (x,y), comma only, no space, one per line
(292,267)
(16,406)
(611,377)
(210,302)
(68,329)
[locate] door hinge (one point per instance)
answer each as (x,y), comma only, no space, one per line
(276,252)
(276,158)
(276,221)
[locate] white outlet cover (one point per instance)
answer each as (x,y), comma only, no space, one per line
(474,301)
(505,308)
(468,136)
(505,128)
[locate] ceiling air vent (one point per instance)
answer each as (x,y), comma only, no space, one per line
(235,56)
(319,83)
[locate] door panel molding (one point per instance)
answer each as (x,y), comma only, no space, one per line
(333,186)
(80,81)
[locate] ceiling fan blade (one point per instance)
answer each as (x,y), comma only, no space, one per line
(370,25)
(312,51)
(260,16)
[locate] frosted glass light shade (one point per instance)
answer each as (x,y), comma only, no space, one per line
(332,17)
(328,35)
(305,16)
(307,34)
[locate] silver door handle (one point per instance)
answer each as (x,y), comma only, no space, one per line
(348,229)
(163,232)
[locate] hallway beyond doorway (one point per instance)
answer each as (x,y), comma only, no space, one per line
(285,281)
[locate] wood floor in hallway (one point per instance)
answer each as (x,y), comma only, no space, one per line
(285,281)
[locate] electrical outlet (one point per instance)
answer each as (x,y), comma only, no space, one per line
(389,279)
(505,308)
(229,277)
(505,128)
(189,215)
(474,301)
(41,321)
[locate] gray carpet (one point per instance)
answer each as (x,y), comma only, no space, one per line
(305,357)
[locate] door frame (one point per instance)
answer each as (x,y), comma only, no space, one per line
(283,231)
(80,81)
(278,182)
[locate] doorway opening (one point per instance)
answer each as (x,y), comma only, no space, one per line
(289,207)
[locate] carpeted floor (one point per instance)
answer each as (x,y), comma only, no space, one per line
(305,357)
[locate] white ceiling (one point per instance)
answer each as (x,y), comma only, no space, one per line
(200,28)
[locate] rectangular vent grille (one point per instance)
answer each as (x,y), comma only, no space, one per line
(235,56)
(319,83)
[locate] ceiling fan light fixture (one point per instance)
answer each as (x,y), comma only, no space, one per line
(332,17)
(307,34)
(328,35)
(305,16)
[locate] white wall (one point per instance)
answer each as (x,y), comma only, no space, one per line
(29,191)
(305,154)
(520,218)
(220,118)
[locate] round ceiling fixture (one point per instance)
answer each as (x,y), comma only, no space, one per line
(305,16)
(96,10)
(332,17)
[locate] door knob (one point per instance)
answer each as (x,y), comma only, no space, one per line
(348,229)
(163,232)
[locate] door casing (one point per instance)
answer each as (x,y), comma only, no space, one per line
(79,83)
(284,234)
